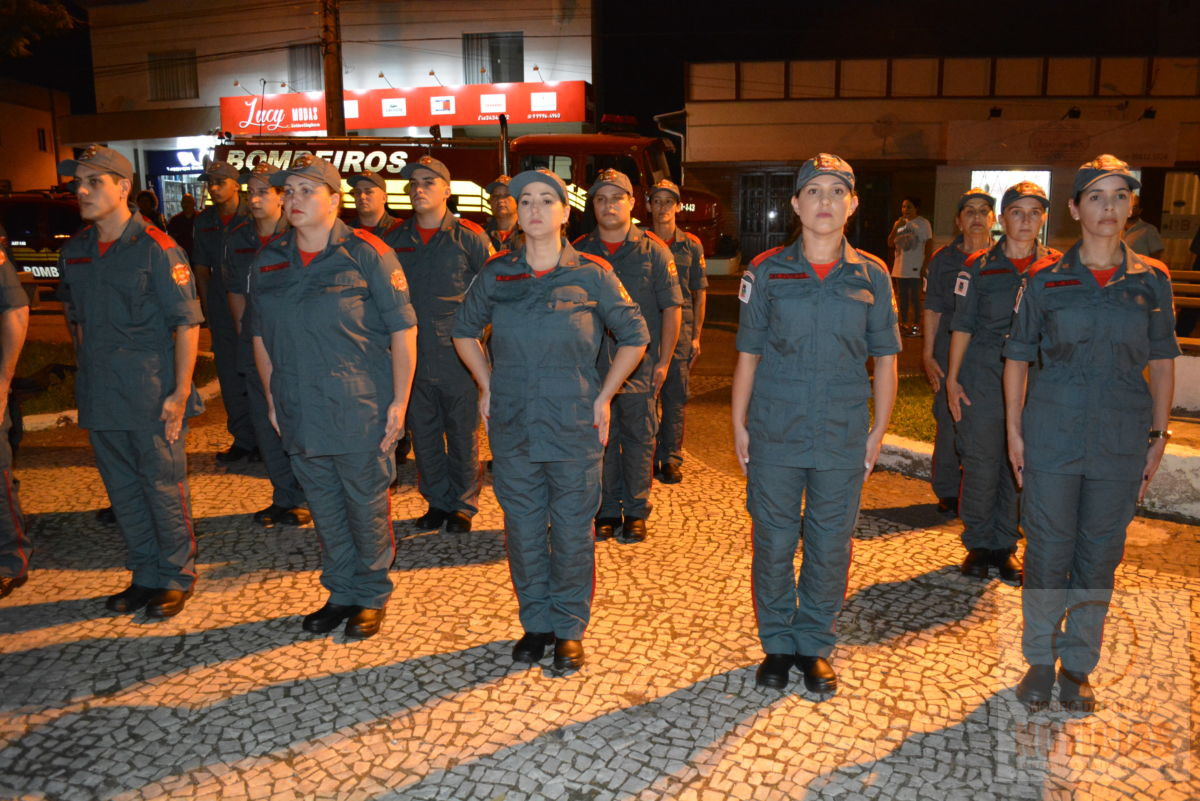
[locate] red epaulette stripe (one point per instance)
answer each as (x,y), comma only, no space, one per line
(1048,260)
(1158,265)
(596,259)
(579,239)
(656,238)
(974,257)
(497,255)
(372,240)
(163,239)
(471,225)
(878,261)
(766,254)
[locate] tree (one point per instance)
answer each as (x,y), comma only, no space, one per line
(23,22)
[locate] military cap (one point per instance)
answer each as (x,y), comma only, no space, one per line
(306,165)
(1102,167)
(426,163)
(101,158)
(825,164)
(523,179)
(611,177)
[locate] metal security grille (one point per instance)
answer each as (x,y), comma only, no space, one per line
(306,73)
(766,213)
(493,57)
(172,75)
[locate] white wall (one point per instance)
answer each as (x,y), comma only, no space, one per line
(246,40)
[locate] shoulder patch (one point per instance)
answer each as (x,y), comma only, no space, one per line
(766,254)
(372,240)
(1046,261)
(471,225)
(746,287)
(163,239)
(962,283)
(976,256)
(597,260)
(181,274)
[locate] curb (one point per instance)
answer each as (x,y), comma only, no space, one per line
(1175,490)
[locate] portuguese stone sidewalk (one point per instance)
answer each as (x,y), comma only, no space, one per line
(230,700)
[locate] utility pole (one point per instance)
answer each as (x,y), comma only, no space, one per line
(331,51)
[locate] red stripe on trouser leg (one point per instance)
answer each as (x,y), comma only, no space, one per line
(18,523)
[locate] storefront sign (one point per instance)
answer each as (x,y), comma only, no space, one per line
(472,104)
(176,162)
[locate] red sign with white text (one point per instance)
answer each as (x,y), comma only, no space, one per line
(473,104)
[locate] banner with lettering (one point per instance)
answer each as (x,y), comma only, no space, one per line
(369,109)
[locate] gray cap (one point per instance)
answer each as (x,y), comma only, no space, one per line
(261,174)
(367,177)
(1024,189)
(664,186)
(1102,167)
(306,165)
(426,163)
(825,164)
(976,192)
(500,181)
(101,158)
(220,170)
(523,179)
(611,177)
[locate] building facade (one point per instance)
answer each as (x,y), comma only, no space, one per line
(934,127)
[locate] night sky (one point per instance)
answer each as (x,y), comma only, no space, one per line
(641,47)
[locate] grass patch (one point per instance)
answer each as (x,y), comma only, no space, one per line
(59,394)
(912,415)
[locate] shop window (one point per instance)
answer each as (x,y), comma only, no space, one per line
(173,75)
(306,72)
(493,57)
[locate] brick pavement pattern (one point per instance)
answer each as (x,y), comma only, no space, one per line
(230,700)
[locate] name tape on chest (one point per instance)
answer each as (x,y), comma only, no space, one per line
(962,283)
(181,274)
(996,271)
(789,275)
(517,277)
(269,268)
(1069,282)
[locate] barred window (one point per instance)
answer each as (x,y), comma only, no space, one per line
(173,75)
(493,57)
(306,72)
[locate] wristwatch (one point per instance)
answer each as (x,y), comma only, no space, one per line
(1159,434)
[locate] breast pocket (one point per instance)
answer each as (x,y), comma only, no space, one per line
(1129,316)
(854,301)
(129,296)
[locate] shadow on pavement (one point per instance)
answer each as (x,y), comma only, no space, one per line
(76,750)
(882,611)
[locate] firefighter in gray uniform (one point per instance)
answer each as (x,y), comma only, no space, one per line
(502,225)
(130,300)
(441,254)
(975,218)
(246,237)
(15,546)
(334,342)
(812,313)
(208,249)
(1089,437)
(547,412)
(369,191)
(985,292)
(688,255)
(643,263)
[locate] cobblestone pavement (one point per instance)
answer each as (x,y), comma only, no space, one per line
(231,700)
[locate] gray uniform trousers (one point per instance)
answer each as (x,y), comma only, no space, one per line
(553,571)
(988,500)
(800,617)
(946,471)
(350,504)
(15,546)
(629,456)
(225,355)
(443,419)
(673,398)
(146,479)
(1075,538)
(285,489)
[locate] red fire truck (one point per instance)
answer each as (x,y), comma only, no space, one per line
(474,163)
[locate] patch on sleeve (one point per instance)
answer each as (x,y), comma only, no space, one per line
(398,281)
(746,287)
(181,274)
(962,283)
(1020,294)
(671,269)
